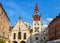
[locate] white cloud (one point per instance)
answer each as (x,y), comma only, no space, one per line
(49,19)
(26,23)
(45,25)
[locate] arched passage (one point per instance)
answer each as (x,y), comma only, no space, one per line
(14,41)
(22,42)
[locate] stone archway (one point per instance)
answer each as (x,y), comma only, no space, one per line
(14,41)
(22,42)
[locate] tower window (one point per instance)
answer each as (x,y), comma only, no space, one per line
(38,24)
(44,38)
(35,23)
(36,38)
(19,35)
(14,36)
(24,35)
(36,27)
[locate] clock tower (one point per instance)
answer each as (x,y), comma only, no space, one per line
(37,25)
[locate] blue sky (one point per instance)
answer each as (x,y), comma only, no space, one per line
(48,9)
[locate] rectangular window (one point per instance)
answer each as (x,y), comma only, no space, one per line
(36,38)
(14,37)
(19,35)
(24,35)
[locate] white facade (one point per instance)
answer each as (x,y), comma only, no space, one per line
(37,30)
(38,25)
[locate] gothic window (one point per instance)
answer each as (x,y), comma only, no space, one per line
(19,35)
(14,36)
(24,35)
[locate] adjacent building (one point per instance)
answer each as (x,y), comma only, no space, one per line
(54,29)
(4,24)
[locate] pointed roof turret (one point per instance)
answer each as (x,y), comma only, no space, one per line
(36,8)
(36,16)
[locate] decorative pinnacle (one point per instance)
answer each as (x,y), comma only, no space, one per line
(36,8)
(19,18)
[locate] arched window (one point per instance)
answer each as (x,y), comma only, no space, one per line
(14,36)
(19,35)
(24,35)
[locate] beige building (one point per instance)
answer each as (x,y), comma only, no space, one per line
(19,33)
(4,24)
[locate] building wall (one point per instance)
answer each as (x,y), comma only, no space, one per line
(4,24)
(54,29)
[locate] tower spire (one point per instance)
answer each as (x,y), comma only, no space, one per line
(36,8)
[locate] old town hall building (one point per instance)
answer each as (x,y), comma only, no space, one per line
(22,33)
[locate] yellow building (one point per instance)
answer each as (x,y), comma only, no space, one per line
(4,24)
